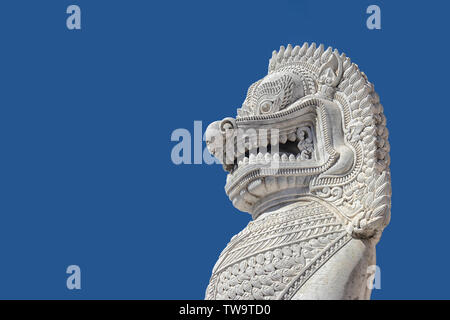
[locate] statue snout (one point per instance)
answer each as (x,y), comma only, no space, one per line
(214,138)
(218,136)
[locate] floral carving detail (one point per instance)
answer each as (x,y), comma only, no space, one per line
(330,194)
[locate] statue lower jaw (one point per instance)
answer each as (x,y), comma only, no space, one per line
(278,200)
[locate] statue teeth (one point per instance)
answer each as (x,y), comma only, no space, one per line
(267,157)
(276,157)
(284,157)
(292,136)
(252,158)
(274,140)
(299,157)
(291,158)
(263,142)
(259,156)
(246,161)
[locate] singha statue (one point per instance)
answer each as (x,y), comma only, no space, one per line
(308,157)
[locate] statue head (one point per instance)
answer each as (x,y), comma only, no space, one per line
(312,127)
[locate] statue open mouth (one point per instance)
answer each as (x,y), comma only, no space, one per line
(288,149)
(290,146)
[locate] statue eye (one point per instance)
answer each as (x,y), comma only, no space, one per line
(266,106)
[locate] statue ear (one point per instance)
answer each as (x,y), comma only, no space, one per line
(330,73)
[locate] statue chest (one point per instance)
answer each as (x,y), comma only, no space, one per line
(275,255)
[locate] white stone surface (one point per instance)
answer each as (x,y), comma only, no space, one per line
(308,158)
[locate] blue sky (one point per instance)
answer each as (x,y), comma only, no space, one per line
(86,118)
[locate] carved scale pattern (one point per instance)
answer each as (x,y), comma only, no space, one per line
(273,256)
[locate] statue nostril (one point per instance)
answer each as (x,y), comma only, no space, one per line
(227,124)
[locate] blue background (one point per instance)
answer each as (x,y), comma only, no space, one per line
(86,117)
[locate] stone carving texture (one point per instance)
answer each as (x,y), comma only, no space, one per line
(308,158)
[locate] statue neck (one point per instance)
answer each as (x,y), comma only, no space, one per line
(278,201)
